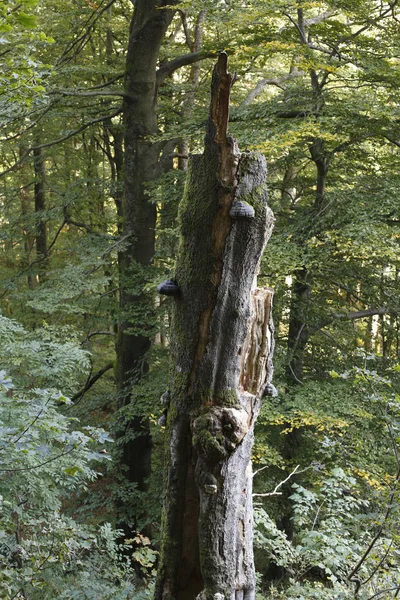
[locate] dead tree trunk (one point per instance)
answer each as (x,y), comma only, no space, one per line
(221,364)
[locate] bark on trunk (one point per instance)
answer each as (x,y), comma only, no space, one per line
(40,207)
(299,321)
(28,238)
(149,23)
(221,347)
(298,334)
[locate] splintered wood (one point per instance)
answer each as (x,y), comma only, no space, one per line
(257,347)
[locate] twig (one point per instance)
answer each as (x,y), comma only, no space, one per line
(93,333)
(259,470)
(89,25)
(35,262)
(380,563)
(316,515)
(91,381)
(87,94)
(46,462)
(59,140)
(88,229)
(281,483)
(392,589)
(76,131)
(294,374)
(380,529)
(30,424)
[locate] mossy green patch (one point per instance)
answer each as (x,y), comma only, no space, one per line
(207,441)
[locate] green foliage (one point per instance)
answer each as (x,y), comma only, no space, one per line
(60,312)
(22,71)
(343,510)
(142,508)
(43,459)
(45,462)
(333,527)
(38,359)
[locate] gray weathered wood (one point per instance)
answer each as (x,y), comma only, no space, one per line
(221,347)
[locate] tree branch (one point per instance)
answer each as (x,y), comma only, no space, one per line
(46,462)
(76,131)
(275,492)
(35,262)
(91,381)
(331,337)
(86,227)
(171,66)
(87,94)
(82,39)
(392,141)
(103,85)
(59,140)
(294,114)
(16,164)
(319,18)
(380,528)
(361,314)
(352,316)
(93,333)
(385,591)
(349,290)
(277,82)
(189,42)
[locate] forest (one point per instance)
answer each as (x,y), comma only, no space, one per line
(182,297)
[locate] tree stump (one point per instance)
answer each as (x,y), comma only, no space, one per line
(221,348)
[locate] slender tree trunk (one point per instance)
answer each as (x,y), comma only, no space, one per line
(40,207)
(114,148)
(298,334)
(28,238)
(193,81)
(298,325)
(221,348)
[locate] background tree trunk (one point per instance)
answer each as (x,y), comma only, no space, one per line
(148,26)
(221,348)
(26,213)
(40,207)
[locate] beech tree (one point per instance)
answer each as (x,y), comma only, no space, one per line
(148,27)
(221,350)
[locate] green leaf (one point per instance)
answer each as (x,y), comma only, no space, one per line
(29,21)
(72,471)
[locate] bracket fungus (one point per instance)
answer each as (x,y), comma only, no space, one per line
(165,398)
(241,210)
(169,287)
